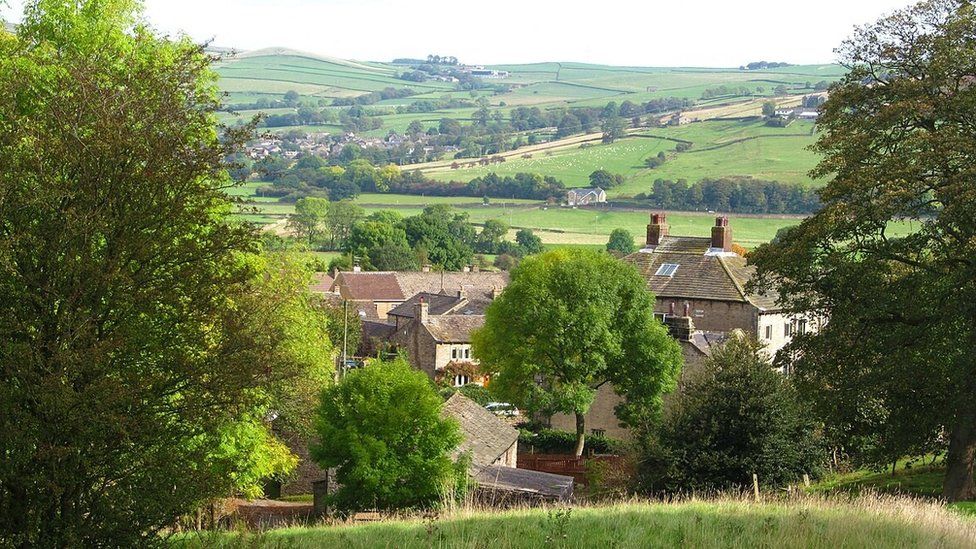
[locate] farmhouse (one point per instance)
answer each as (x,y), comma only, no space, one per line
(584,196)
(704,279)
(440,345)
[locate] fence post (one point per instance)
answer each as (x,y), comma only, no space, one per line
(755,486)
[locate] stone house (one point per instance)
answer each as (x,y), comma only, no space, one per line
(440,345)
(584,196)
(704,279)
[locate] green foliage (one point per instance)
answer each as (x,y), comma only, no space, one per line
(141,340)
(340,218)
(605,180)
(892,372)
(491,236)
(445,235)
(577,319)
(735,417)
(552,441)
(528,242)
(308,221)
(475,392)
(381,427)
(621,241)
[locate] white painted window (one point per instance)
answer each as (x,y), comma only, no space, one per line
(460,380)
(666,269)
(769,332)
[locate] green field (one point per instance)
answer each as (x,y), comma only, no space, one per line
(721,148)
(809,522)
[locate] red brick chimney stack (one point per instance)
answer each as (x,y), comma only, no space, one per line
(657,229)
(722,234)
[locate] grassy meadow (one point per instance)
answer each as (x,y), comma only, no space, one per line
(720,148)
(725,522)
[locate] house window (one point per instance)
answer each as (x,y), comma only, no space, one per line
(460,380)
(467,352)
(769,332)
(801,326)
(666,269)
(661,317)
(598,432)
(788,329)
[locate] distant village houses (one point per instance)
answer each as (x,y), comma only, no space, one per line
(585,196)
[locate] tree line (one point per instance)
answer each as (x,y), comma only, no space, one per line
(732,194)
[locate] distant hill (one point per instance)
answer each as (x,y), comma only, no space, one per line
(271,72)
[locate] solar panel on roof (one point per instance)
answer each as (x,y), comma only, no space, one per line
(666,269)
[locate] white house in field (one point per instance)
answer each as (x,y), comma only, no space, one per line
(584,196)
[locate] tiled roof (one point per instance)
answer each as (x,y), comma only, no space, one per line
(412,283)
(321,283)
(526,482)
(378,330)
(486,436)
(700,275)
(371,286)
(399,285)
(453,328)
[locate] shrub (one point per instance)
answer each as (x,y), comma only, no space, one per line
(733,418)
(381,427)
(552,441)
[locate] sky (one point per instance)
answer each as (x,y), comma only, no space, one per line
(721,33)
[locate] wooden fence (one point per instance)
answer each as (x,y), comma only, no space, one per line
(563,464)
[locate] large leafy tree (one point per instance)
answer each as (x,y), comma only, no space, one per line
(310,217)
(621,241)
(446,236)
(139,349)
(569,322)
(381,428)
(733,418)
(891,257)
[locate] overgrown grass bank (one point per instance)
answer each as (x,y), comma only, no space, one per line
(810,522)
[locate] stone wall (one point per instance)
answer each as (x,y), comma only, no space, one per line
(714,316)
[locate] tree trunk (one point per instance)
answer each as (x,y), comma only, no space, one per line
(580,433)
(958,484)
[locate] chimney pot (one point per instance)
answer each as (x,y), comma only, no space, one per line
(422,311)
(722,234)
(657,229)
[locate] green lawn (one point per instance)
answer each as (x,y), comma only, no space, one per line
(804,523)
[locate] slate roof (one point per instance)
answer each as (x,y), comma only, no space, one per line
(700,274)
(486,436)
(527,482)
(453,328)
(378,330)
(441,304)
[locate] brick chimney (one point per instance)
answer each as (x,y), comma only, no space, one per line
(422,311)
(722,234)
(657,229)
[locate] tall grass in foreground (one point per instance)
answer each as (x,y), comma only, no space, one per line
(804,521)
